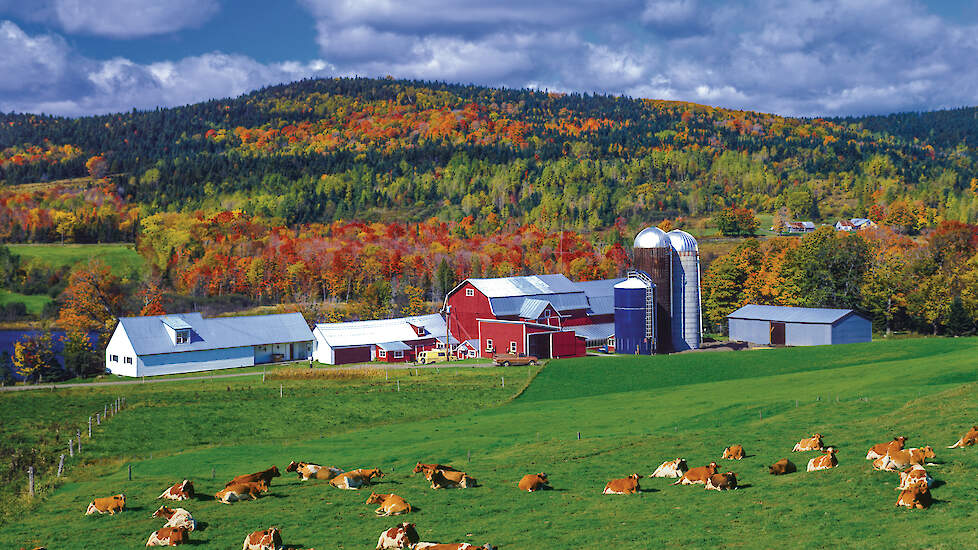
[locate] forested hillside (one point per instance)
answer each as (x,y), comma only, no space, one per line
(371,150)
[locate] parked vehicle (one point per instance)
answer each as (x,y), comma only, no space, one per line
(507,359)
(432,356)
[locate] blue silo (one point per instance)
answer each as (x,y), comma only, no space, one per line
(634,316)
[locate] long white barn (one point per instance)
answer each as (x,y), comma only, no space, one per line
(186,342)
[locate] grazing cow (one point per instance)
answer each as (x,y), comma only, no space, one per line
(533,482)
(782,467)
(308,470)
(883,449)
(671,468)
(823,462)
(916,496)
(813,443)
(420,467)
(176,517)
(915,475)
(733,452)
(441,479)
(722,482)
(169,536)
(264,475)
(355,479)
(903,459)
(698,475)
(241,491)
(107,505)
(624,486)
(390,504)
(967,439)
(267,539)
(456,546)
(180,491)
(402,535)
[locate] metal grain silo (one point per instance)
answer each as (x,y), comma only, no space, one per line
(686,319)
(633,316)
(652,253)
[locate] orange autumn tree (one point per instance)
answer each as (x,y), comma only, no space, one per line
(92,299)
(97,166)
(152,298)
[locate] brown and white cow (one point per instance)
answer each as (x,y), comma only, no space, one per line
(241,491)
(264,475)
(179,491)
(390,504)
(967,439)
(266,539)
(354,479)
(883,449)
(699,475)
(722,482)
(169,536)
(176,517)
(824,462)
(916,496)
(733,452)
(309,470)
(533,482)
(900,460)
(671,468)
(420,467)
(813,443)
(915,475)
(402,535)
(456,546)
(107,505)
(441,479)
(782,467)
(624,486)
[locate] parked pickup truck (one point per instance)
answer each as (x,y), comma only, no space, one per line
(507,359)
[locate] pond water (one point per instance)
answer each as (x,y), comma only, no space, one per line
(10,337)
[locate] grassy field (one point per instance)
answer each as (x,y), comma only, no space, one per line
(35,302)
(120,257)
(632,413)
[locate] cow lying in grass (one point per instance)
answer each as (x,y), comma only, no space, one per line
(782,467)
(967,439)
(624,486)
(402,535)
(533,482)
(176,517)
(390,504)
(915,496)
(824,462)
(241,491)
(445,479)
(420,467)
(456,546)
(169,536)
(813,443)
(308,470)
(698,476)
(883,449)
(900,460)
(266,539)
(733,452)
(179,491)
(914,475)
(264,475)
(355,479)
(722,482)
(107,505)
(672,468)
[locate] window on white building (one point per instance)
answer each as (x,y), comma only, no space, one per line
(512,347)
(183,336)
(471,353)
(488,344)
(128,360)
(382,353)
(114,358)
(470,292)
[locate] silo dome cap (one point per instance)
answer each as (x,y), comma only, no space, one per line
(682,241)
(632,282)
(651,237)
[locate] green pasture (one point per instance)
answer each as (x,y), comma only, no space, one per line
(35,302)
(122,258)
(631,413)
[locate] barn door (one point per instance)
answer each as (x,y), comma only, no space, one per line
(777,334)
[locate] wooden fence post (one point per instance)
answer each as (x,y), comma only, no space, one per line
(79,441)
(105,412)
(130,472)
(61,465)
(504,380)
(30,479)
(280,386)
(398,385)
(98,419)
(89,427)
(71,450)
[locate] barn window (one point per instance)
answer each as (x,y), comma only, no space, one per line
(471,353)
(128,360)
(398,355)
(382,353)
(512,347)
(114,358)
(470,292)
(488,344)
(183,336)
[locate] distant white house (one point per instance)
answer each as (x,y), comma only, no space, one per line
(854,224)
(799,227)
(390,340)
(186,342)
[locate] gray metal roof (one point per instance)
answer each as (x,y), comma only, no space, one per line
(533,308)
(511,305)
(362,333)
(175,322)
(394,346)
(600,331)
(786,314)
(149,337)
(524,286)
(600,295)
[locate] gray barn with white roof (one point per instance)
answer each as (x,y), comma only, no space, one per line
(798,326)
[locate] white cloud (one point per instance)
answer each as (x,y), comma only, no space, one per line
(114,18)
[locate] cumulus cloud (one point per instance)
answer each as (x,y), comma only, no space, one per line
(114,18)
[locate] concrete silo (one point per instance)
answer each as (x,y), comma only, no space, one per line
(633,316)
(652,253)
(686,317)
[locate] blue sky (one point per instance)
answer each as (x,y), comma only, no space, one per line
(792,57)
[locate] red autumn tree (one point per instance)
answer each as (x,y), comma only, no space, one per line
(92,298)
(152,298)
(97,166)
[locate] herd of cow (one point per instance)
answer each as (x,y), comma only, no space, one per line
(914,487)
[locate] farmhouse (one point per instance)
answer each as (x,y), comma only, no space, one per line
(854,224)
(186,342)
(798,326)
(390,340)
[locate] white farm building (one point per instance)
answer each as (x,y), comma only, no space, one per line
(187,342)
(798,326)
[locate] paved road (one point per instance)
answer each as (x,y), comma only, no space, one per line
(229,375)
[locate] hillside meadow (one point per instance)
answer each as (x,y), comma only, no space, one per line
(632,414)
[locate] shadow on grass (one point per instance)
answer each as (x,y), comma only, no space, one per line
(648,490)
